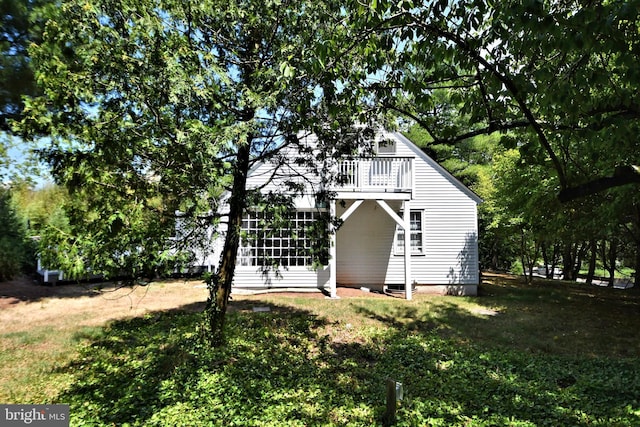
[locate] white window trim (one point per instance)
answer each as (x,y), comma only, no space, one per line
(399,250)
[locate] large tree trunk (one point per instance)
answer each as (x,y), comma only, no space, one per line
(593,257)
(550,261)
(523,256)
(568,260)
(220,284)
(580,254)
(613,254)
(547,261)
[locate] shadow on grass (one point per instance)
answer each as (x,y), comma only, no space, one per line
(454,361)
(283,368)
(562,318)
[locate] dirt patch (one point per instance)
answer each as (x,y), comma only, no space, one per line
(25,304)
(28,289)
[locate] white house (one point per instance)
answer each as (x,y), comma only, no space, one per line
(380,197)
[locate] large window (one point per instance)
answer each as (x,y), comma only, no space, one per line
(417,235)
(297,241)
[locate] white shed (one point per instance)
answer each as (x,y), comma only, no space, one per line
(380,197)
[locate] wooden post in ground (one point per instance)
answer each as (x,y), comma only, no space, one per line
(394,393)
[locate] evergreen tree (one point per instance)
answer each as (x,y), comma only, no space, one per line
(13,239)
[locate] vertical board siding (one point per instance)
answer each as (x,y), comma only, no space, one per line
(365,245)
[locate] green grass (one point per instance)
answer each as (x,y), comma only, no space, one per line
(32,369)
(621,273)
(546,354)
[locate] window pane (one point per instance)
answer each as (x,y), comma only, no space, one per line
(416,239)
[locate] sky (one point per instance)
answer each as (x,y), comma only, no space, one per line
(18,154)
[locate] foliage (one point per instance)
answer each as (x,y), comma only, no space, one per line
(313,362)
(20,25)
(154,107)
(41,207)
(37,212)
(553,79)
(472,162)
(521,206)
(15,247)
(466,160)
(558,74)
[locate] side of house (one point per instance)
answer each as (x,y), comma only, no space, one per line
(443,230)
(368,249)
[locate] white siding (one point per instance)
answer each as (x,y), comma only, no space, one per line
(293,277)
(451,232)
(365,241)
(276,175)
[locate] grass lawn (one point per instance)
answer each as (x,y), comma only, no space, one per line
(550,353)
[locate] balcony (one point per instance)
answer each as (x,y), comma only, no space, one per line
(376,175)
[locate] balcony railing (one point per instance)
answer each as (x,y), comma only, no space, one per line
(378,174)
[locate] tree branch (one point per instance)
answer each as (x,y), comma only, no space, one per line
(506,80)
(492,127)
(622,175)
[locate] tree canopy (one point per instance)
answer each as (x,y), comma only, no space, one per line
(21,24)
(154,107)
(159,106)
(563,72)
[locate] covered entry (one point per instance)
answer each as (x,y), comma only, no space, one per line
(362,248)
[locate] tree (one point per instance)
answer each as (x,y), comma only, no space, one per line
(560,74)
(21,24)
(471,162)
(40,207)
(154,107)
(14,247)
(556,79)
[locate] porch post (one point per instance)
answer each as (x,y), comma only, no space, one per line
(406,216)
(332,250)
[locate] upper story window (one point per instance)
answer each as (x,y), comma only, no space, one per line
(386,146)
(417,234)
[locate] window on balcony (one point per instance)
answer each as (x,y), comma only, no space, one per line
(417,234)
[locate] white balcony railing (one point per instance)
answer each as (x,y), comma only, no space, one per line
(378,174)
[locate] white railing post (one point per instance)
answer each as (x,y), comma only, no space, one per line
(332,251)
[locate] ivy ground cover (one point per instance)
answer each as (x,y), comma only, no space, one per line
(517,355)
